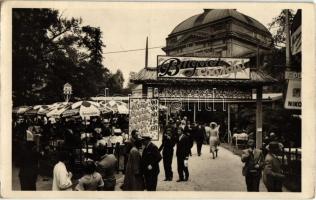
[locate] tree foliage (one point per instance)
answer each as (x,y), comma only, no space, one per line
(116,83)
(275,61)
(50,50)
(278,24)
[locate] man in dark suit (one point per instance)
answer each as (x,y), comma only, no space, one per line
(272,172)
(188,132)
(168,142)
(183,151)
(253,159)
(199,133)
(150,164)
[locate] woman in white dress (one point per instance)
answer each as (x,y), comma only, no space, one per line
(214,138)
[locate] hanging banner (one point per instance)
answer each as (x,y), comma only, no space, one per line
(143,117)
(293,95)
(210,93)
(198,67)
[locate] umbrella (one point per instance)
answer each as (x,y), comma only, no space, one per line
(87,109)
(33,110)
(43,110)
(104,108)
(84,103)
(70,112)
(56,112)
(21,109)
(118,107)
(121,109)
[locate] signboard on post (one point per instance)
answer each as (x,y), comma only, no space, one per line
(67,89)
(198,67)
(293,95)
(143,117)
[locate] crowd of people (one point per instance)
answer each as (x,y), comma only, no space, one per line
(37,141)
(141,156)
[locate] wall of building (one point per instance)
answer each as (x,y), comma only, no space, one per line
(203,42)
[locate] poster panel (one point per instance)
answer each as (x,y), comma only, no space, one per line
(143,116)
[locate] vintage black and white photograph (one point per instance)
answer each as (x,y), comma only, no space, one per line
(156,98)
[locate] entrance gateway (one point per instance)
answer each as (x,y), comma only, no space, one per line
(195,84)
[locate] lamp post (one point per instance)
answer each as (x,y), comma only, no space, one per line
(105,92)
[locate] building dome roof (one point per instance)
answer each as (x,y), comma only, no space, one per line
(212,15)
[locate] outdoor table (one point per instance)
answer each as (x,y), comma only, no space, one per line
(292,153)
(240,137)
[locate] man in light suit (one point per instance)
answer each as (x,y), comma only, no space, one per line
(183,151)
(272,172)
(253,159)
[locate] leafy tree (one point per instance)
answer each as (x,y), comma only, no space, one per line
(115,83)
(275,61)
(50,50)
(130,85)
(278,23)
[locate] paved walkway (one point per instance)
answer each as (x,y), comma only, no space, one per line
(206,174)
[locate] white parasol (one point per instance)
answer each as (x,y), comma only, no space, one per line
(87,109)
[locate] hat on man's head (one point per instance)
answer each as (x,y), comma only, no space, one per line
(273,146)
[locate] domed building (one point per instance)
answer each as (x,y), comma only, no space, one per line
(210,65)
(219,33)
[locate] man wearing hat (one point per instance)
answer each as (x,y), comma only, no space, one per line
(272,172)
(253,159)
(150,163)
(168,142)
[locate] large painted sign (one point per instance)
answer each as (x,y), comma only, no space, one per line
(143,117)
(198,67)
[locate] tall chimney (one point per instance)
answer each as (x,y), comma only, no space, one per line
(146,54)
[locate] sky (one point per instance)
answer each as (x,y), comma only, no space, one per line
(126,28)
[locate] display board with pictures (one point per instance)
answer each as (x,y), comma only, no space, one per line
(143,116)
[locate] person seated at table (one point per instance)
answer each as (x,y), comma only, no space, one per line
(91,180)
